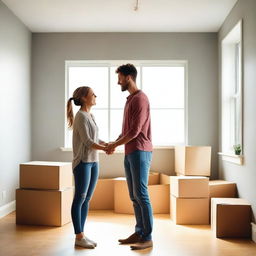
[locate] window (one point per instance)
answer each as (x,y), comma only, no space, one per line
(232,89)
(163,82)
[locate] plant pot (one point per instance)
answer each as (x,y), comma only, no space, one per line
(237,152)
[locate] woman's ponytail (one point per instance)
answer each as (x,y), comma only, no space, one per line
(70,115)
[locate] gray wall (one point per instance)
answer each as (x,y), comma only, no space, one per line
(245,175)
(50,50)
(15,132)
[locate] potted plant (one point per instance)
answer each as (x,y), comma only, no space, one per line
(237,149)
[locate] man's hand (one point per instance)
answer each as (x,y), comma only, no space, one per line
(111,148)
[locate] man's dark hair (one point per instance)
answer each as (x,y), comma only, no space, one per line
(128,69)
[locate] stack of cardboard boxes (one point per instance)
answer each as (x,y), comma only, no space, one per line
(45,194)
(190,200)
(230,216)
(190,188)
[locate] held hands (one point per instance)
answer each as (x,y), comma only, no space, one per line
(109,148)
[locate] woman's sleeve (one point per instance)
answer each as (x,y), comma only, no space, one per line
(99,140)
(83,130)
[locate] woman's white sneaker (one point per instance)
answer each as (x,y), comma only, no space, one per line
(84,243)
(91,241)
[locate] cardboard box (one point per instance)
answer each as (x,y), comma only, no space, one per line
(122,202)
(153,178)
(159,197)
(165,179)
(231,217)
(190,210)
(46,175)
(222,188)
(193,160)
(189,186)
(43,207)
(103,196)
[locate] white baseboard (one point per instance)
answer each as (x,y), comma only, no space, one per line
(7,208)
(253,232)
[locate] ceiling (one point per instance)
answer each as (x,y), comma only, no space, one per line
(120,16)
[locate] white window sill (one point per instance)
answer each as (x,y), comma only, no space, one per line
(232,158)
(64,149)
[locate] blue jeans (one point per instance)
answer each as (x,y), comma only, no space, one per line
(137,166)
(86,176)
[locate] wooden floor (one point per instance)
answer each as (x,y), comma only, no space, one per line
(106,227)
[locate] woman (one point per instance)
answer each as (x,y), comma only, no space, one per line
(85,159)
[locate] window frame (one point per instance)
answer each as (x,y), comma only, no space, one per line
(232,90)
(141,64)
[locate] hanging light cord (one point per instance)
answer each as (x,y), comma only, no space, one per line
(136,5)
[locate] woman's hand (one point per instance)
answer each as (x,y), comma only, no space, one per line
(99,146)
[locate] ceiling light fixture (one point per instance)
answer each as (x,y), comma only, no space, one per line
(136,5)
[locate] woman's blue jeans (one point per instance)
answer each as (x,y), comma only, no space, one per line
(86,176)
(137,165)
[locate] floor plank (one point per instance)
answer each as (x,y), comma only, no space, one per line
(106,227)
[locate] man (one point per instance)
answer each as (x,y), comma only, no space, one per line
(136,135)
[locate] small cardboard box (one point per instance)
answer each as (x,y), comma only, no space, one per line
(46,175)
(222,188)
(231,217)
(103,196)
(43,207)
(189,186)
(193,160)
(190,210)
(159,197)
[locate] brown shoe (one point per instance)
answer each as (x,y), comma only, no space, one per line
(134,238)
(142,245)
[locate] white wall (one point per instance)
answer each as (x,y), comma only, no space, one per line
(245,175)
(15,128)
(50,50)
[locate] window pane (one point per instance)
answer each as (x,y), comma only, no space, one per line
(167,127)
(101,118)
(94,77)
(238,121)
(164,86)
(116,121)
(117,97)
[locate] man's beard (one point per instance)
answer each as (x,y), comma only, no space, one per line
(125,87)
